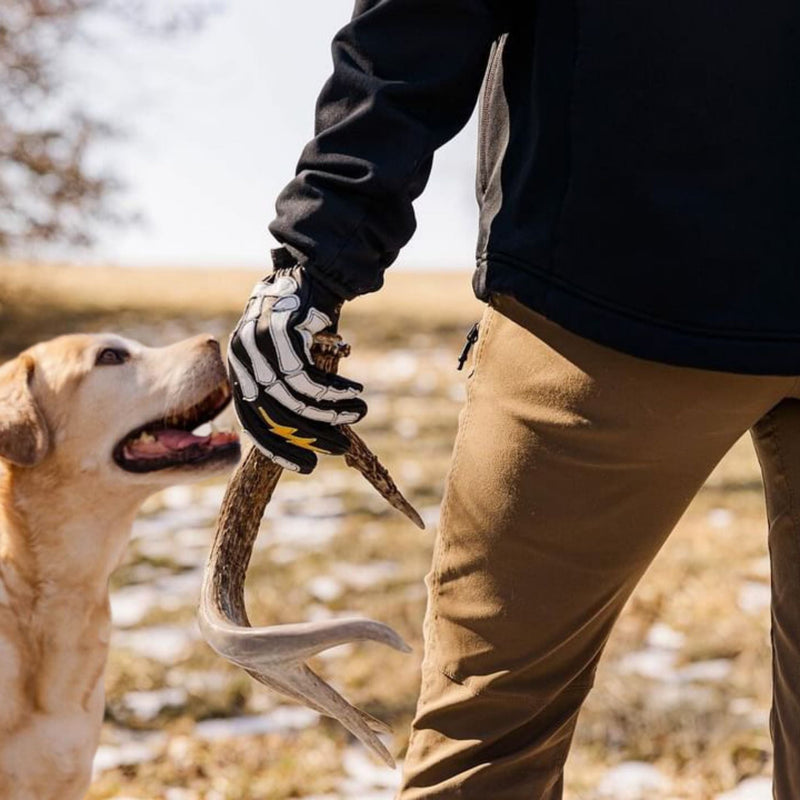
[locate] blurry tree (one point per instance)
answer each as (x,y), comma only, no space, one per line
(49,191)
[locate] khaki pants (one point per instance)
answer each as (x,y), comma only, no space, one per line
(572,464)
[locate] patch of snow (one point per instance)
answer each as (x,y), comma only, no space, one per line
(340,651)
(170,592)
(174,793)
(652,662)
(158,548)
(760,719)
(302,531)
(177,497)
(136,750)
(754,597)
(666,696)
(325,588)
(192,516)
(189,538)
(316,613)
(281,720)
(741,705)
(430,516)
(148,705)
(658,663)
(164,643)
(365,576)
(749,789)
(365,775)
(400,364)
(180,588)
(325,507)
(198,682)
(212,496)
(131,604)
(356,792)
(713,670)
(664,637)
(720,517)
(632,780)
(145,528)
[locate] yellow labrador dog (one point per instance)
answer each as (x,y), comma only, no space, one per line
(89,427)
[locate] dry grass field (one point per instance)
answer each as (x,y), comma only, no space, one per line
(680,707)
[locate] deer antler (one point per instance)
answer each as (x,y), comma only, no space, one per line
(276,655)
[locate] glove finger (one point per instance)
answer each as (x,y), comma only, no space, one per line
(299,372)
(338,386)
(288,350)
(255,345)
(275,448)
(340,413)
(328,413)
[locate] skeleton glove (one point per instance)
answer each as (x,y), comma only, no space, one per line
(290,408)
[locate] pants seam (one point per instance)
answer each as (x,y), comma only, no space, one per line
(781,469)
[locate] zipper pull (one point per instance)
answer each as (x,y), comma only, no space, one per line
(472,337)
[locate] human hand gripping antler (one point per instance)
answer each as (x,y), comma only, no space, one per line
(276,655)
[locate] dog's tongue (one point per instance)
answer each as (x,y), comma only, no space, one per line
(179,440)
(163,442)
(171,440)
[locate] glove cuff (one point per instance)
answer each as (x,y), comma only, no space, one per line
(287,258)
(318,293)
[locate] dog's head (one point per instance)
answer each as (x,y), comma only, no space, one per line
(111,409)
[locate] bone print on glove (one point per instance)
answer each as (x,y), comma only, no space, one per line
(289,407)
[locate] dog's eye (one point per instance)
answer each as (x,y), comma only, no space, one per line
(111,355)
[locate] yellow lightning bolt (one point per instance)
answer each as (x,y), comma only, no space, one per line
(287,433)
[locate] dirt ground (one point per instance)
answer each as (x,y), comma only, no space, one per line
(680,706)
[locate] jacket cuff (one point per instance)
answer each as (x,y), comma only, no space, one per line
(286,257)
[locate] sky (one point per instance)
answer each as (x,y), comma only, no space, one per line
(216,121)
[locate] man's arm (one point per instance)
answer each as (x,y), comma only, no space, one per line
(406,77)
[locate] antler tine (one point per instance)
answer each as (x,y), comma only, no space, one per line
(275,656)
(375,724)
(261,648)
(360,457)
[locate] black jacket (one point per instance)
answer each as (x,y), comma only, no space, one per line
(639,164)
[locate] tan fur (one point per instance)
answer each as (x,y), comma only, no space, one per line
(66,511)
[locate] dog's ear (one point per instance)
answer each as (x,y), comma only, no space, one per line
(24,439)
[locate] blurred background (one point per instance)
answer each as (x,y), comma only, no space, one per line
(142,145)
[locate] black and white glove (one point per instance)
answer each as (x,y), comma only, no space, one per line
(289,407)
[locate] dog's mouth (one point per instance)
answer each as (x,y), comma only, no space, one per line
(169,442)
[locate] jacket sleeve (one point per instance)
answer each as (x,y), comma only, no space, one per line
(406,78)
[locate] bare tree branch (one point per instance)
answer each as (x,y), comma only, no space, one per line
(48,190)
